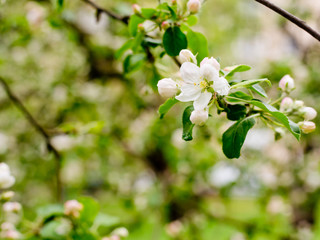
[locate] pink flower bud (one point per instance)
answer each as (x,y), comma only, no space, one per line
(12,207)
(73,208)
(307,126)
(165,25)
(136,9)
(12,234)
(199,117)
(286,83)
(167,88)
(187,56)
(141,27)
(212,61)
(194,6)
(286,104)
(174,2)
(308,113)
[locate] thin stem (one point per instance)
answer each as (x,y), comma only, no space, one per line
(39,129)
(292,18)
(124,19)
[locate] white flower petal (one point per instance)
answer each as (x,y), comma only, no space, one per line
(209,72)
(221,86)
(203,101)
(190,73)
(189,92)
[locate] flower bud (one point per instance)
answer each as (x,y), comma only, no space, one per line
(136,9)
(11,234)
(194,6)
(6,196)
(73,208)
(174,2)
(187,56)
(167,88)
(199,117)
(12,207)
(286,104)
(212,61)
(298,104)
(141,27)
(6,226)
(165,25)
(307,126)
(6,179)
(308,113)
(286,83)
(121,232)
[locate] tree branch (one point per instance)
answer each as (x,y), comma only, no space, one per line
(39,129)
(124,19)
(297,21)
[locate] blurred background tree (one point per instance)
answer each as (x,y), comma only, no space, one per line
(67,70)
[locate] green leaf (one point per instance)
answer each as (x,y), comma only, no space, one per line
(133,62)
(164,108)
(198,44)
(51,230)
(291,126)
(192,20)
(50,211)
(134,21)
(126,46)
(90,210)
(136,43)
(148,13)
(234,69)
(60,3)
(234,137)
(151,42)
(187,124)
(174,40)
(238,97)
(258,89)
(236,112)
(106,220)
(249,83)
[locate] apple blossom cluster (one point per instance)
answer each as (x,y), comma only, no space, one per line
(199,85)
(296,108)
(10,209)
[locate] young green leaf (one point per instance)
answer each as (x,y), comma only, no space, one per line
(133,62)
(236,112)
(234,137)
(198,43)
(249,83)
(230,71)
(291,126)
(174,40)
(134,21)
(148,13)
(192,20)
(258,89)
(126,46)
(238,97)
(164,108)
(90,210)
(187,124)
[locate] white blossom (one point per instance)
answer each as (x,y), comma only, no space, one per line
(167,87)
(286,83)
(6,179)
(308,113)
(286,104)
(199,83)
(73,208)
(121,232)
(307,126)
(187,56)
(194,6)
(199,117)
(12,207)
(212,61)
(298,104)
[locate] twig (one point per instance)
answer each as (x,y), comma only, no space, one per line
(297,21)
(124,19)
(40,129)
